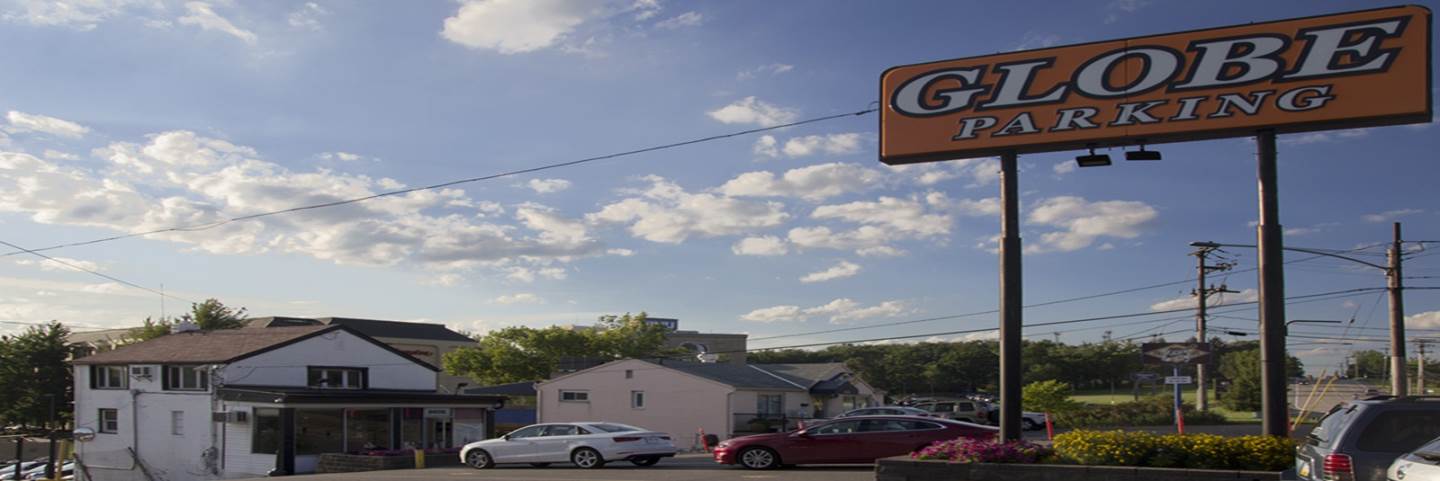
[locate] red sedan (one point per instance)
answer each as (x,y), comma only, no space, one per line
(856,440)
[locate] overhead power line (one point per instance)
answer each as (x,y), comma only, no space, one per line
(92,272)
(511,173)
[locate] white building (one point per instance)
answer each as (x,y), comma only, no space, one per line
(242,403)
(684,398)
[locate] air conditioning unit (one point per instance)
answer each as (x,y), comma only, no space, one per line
(142,372)
(233,417)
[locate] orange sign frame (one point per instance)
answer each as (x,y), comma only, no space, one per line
(1356,69)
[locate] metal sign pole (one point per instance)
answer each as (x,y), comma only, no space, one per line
(1274,411)
(1010,303)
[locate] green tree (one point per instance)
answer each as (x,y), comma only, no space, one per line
(34,370)
(212,315)
(149,330)
(628,336)
(1242,369)
(516,354)
(1369,364)
(1048,396)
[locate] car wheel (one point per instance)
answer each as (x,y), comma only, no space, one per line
(479,459)
(586,458)
(1029,425)
(759,458)
(540,465)
(645,462)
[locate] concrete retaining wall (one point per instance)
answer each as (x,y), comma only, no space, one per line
(906,469)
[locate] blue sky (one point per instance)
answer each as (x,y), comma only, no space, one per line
(124,116)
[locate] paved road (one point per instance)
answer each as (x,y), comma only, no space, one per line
(688,467)
(1341,391)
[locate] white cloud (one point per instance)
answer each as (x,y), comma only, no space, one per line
(904,217)
(443,280)
(1065,166)
(620,252)
(750,110)
(833,144)
(1323,137)
(839,271)
(978,171)
(1188,302)
(59,264)
(58,155)
(1119,7)
(1424,320)
(180,178)
(546,186)
(343,156)
(519,298)
(839,311)
(1033,40)
(771,69)
(814,183)
(516,26)
(23,122)
(666,213)
(200,14)
(1390,215)
(1082,222)
(645,9)
(766,146)
(684,20)
(760,246)
(76,14)
(308,16)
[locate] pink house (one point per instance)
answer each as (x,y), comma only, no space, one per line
(688,398)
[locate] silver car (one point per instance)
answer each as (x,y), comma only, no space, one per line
(1419,465)
(1360,440)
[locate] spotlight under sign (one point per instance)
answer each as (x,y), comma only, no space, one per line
(1358,69)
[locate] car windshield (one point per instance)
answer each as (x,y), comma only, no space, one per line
(1431,449)
(613,428)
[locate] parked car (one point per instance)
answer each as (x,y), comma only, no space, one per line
(885,411)
(1029,420)
(586,444)
(26,467)
(855,440)
(1358,441)
(1422,464)
(966,410)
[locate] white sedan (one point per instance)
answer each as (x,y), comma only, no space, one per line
(586,444)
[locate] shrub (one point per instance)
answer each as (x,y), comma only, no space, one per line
(1048,396)
(1193,451)
(966,450)
(1150,411)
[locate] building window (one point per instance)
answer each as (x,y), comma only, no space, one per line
(575,396)
(109,421)
(319,431)
(177,423)
(108,377)
(629,374)
(367,429)
(187,378)
(773,404)
(637,399)
(337,378)
(266,436)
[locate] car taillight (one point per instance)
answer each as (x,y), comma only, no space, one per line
(626,439)
(1338,467)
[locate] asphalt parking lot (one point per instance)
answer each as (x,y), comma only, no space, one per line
(688,467)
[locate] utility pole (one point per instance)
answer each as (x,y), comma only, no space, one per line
(1398,384)
(1010,297)
(1202,298)
(1274,408)
(1420,371)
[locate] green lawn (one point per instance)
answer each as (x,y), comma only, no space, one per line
(1103,396)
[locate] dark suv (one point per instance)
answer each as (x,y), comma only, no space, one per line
(1359,440)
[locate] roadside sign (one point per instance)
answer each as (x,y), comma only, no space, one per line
(1175,353)
(1357,69)
(1178,380)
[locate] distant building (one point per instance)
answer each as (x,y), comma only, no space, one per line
(684,398)
(425,341)
(242,403)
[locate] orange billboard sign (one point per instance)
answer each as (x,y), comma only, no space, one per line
(1348,70)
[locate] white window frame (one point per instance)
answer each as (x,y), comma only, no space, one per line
(342,373)
(637,399)
(177,423)
(114,418)
(575,396)
(175,378)
(105,377)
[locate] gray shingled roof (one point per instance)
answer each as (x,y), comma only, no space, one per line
(805,374)
(370,327)
(201,347)
(744,377)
